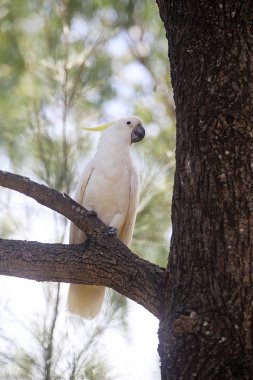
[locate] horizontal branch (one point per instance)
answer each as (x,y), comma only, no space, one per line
(96,262)
(101,260)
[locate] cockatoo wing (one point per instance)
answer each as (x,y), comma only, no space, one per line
(83,300)
(77,236)
(126,233)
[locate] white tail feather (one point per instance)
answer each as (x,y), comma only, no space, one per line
(85,300)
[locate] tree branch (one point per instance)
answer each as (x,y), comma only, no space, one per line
(101,260)
(54,200)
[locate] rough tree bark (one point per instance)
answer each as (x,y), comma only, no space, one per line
(206,320)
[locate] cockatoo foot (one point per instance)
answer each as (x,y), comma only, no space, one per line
(92,213)
(111,231)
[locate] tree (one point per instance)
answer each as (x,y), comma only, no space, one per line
(204,297)
(206,317)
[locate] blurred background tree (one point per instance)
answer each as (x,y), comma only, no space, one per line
(65,64)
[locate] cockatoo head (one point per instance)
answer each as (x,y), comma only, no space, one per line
(130,129)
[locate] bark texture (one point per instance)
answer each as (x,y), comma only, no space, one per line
(101,260)
(206,325)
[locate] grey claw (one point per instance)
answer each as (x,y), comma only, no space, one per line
(92,213)
(111,231)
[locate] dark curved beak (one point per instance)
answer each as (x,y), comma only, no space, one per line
(137,134)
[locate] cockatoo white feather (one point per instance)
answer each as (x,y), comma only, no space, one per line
(109,185)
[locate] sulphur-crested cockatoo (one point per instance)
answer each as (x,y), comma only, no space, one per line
(109,185)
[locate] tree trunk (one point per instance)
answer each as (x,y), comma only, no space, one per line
(206,327)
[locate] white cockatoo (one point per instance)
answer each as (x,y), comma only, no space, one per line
(109,186)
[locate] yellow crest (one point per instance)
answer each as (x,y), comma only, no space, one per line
(99,128)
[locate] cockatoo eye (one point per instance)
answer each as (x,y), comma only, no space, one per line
(128,122)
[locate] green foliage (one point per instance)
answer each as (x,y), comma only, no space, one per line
(65,64)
